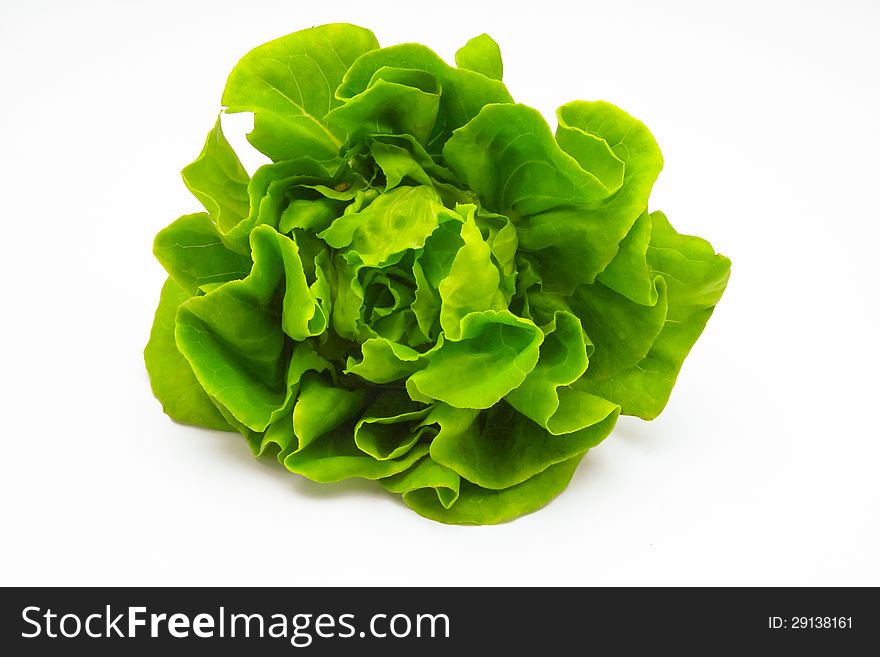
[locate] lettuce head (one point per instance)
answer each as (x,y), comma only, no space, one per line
(426,286)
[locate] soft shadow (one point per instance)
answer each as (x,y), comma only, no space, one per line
(631,430)
(589,473)
(354,487)
(236,448)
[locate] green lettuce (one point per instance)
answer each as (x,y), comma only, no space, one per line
(426,286)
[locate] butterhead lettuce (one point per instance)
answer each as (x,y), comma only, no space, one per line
(426,286)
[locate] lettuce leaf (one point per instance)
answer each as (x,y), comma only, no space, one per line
(426,286)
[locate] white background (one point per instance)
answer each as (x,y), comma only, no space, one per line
(762,470)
